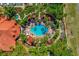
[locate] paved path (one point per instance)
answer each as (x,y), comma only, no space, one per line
(59,35)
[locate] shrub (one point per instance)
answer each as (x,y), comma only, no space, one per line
(23,37)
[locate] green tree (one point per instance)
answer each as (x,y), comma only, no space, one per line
(60,49)
(2,10)
(23,37)
(39,51)
(10,11)
(56,9)
(23,21)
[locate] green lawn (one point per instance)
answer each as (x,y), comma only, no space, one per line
(72,26)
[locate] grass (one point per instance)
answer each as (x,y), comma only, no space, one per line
(72,26)
(18,51)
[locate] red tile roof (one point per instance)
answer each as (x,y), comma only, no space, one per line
(9,31)
(30,40)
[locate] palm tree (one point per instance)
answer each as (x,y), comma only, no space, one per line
(2,10)
(10,11)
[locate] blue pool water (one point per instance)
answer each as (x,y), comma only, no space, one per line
(39,30)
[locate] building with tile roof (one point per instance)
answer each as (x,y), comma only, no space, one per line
(9,31)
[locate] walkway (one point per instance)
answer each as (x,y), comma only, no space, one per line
(59,35)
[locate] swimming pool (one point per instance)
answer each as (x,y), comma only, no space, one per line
(39,30)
